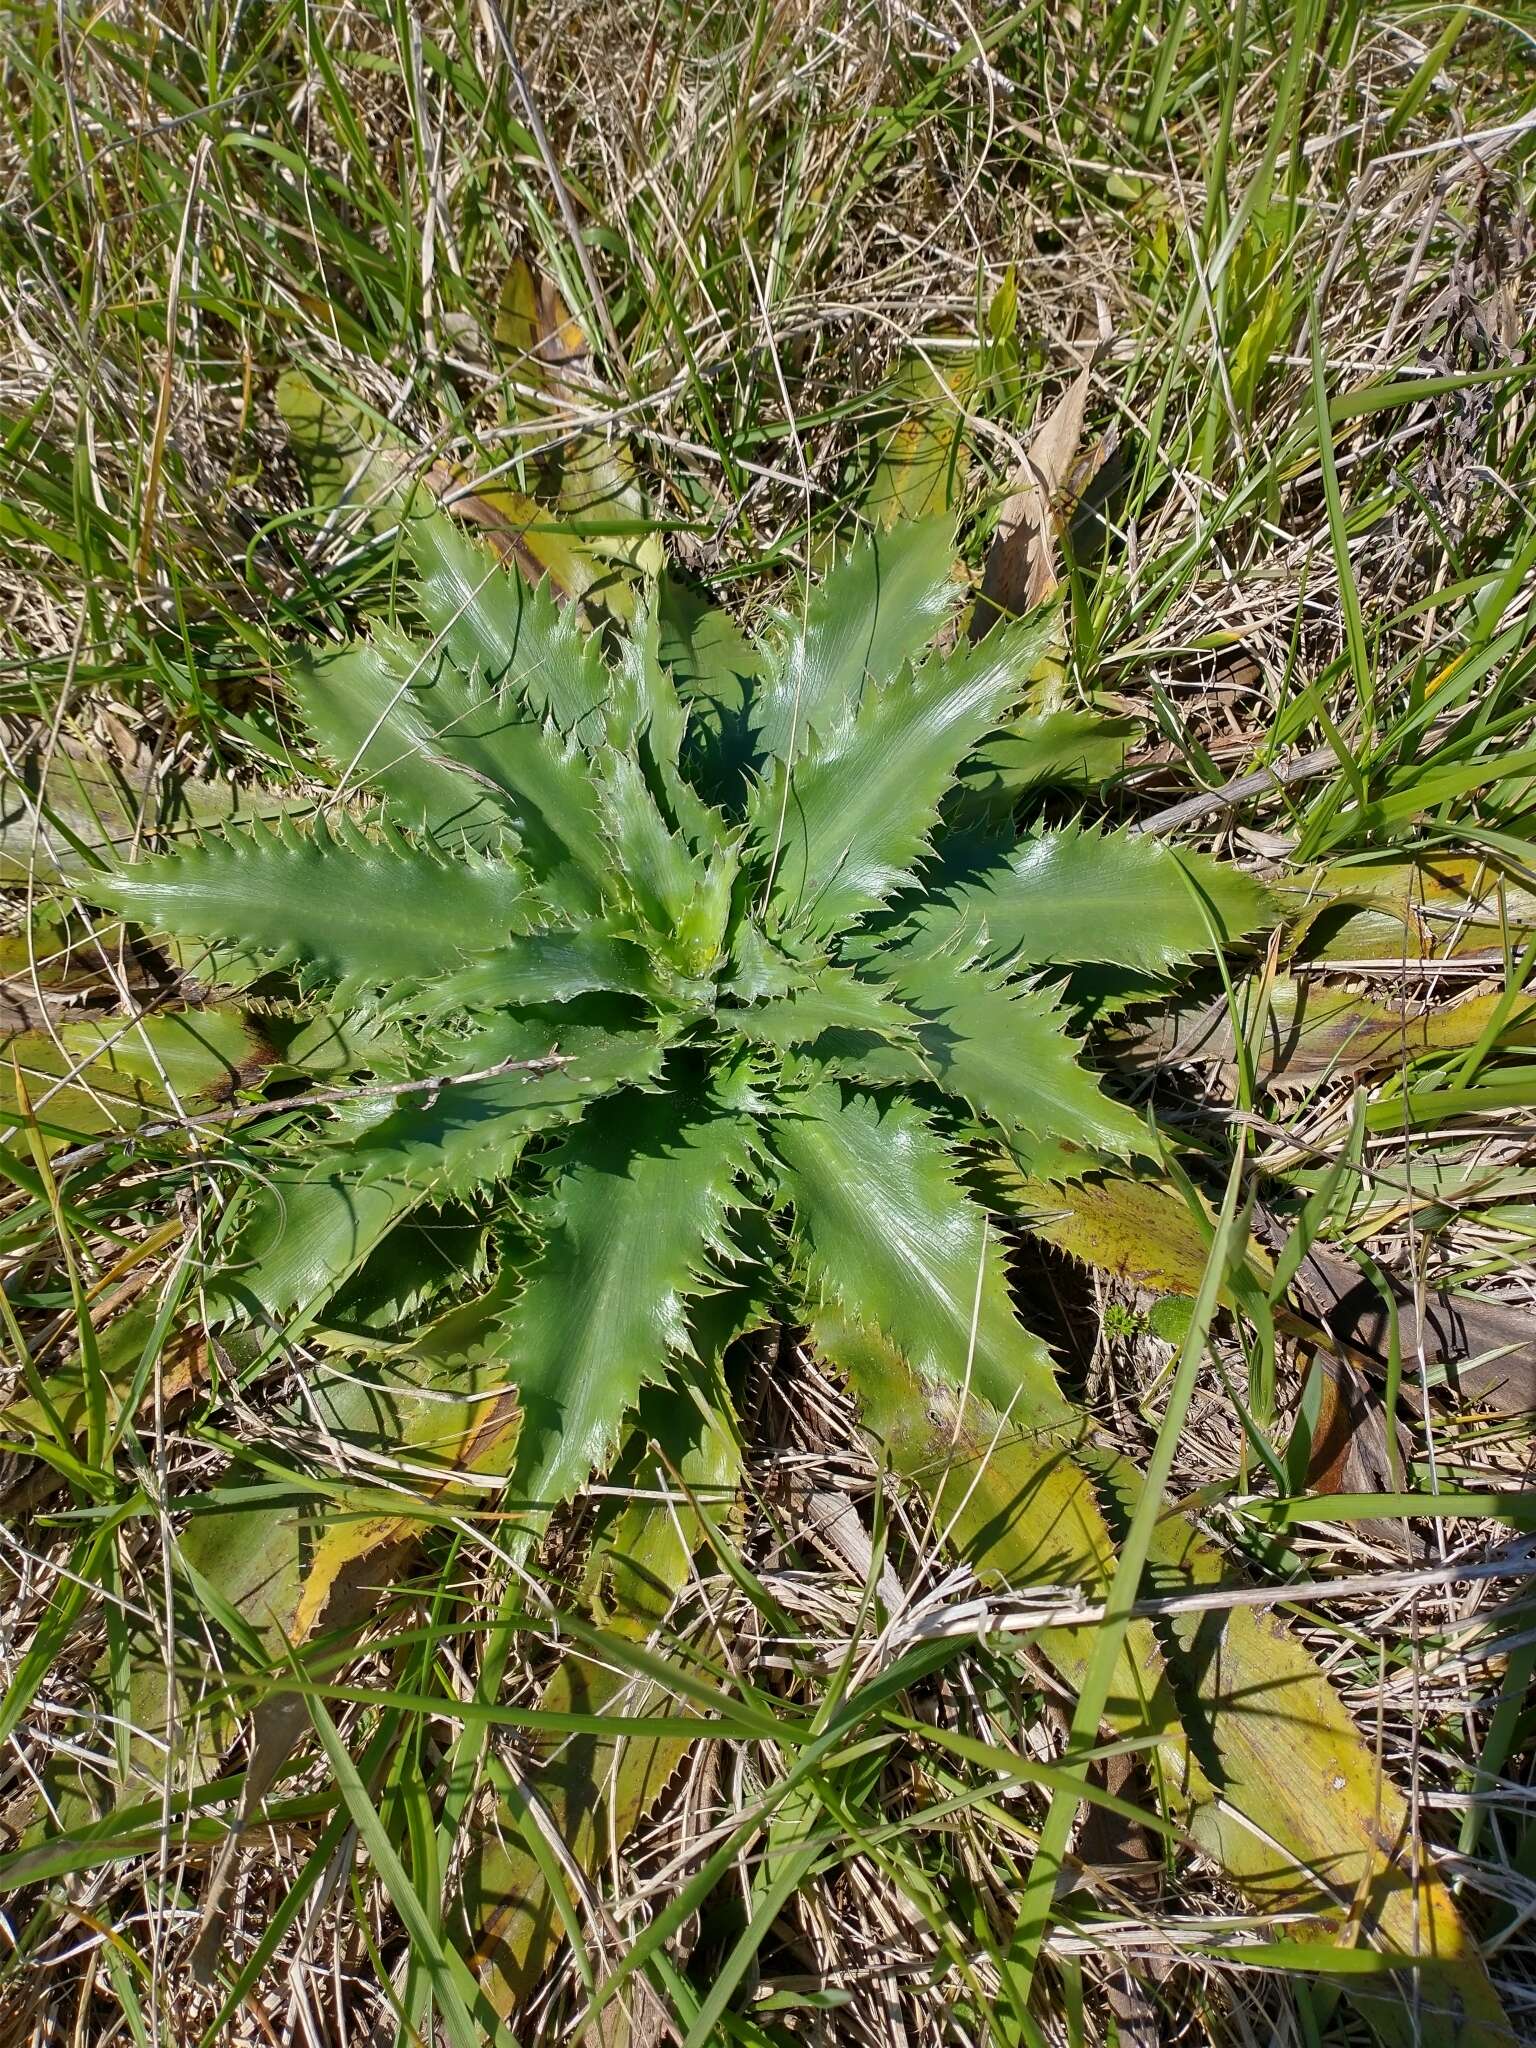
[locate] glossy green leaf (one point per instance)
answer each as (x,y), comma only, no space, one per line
(713,664)
(1066,749)
(836,1010)
(684,900)
(454,757)
(546,967)
(311,1226)
(649,714)
(635,1222)
(499,629)
(870,615)
(889,1236)
(1006,1051)
(851,816)
(1077,895)
(61,806)
(361,910)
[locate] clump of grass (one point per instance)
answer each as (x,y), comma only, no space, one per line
(1295,252)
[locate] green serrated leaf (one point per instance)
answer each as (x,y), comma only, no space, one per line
(356,909)
(685,900)
(454,757)
(759,969)
(421,1261)
(501,630)
(61,805)
(635,1218)
(546,967)
(870,615)
(1102,897)
(311,1227)
(651,718)
(851,817)
(1066,749)
(1006,1051)
(338,1042)
(715,669)
(835,1006)
(888,1234)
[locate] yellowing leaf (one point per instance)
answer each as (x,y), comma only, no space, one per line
(534,328)
(1311,1031)
(1260,1757)
(352,457)
(98,1074)
(924,455)
(1443,904)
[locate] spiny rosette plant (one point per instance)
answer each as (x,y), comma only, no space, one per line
(628,949)
(648,999)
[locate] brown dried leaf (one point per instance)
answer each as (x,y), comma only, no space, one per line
(1350,1451)
(524,535)
(1486,1346)
(1020,569)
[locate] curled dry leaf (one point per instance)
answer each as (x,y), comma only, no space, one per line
(523,535)
(548,356)
(1485,1348)
(352,457)
(1020,568)
(1349,1450)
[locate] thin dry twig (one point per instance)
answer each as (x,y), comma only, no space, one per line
(1275,775)
(429,1085)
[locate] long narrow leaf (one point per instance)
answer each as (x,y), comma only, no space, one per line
(637,1216)
(869,616)
(889,1236)
(358,910)
(1081,896)
(849,817)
